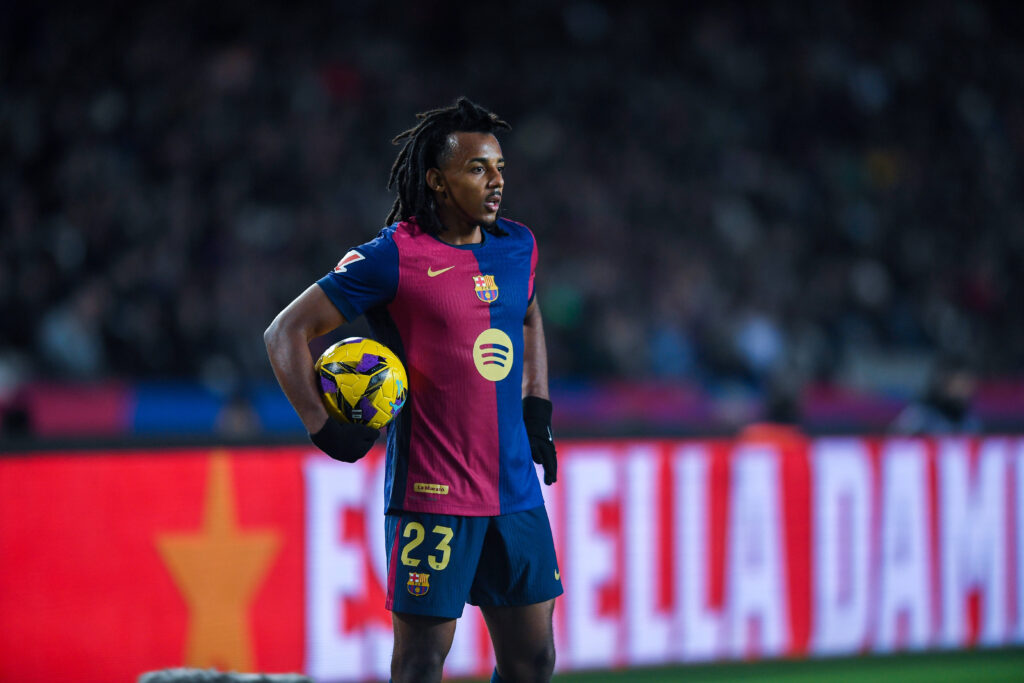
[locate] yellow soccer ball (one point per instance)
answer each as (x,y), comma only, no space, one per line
(362,381)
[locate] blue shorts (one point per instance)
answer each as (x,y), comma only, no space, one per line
(438,563)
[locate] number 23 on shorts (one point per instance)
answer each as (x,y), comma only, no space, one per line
(417,533)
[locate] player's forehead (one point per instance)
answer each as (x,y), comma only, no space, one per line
(462,147)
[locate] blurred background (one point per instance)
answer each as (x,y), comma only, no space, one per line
(820,200)
(792,212)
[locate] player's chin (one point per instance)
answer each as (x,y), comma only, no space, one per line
(488,219)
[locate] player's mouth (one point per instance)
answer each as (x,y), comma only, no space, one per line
(492,202)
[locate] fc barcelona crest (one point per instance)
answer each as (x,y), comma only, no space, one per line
(486,290)
(418,583)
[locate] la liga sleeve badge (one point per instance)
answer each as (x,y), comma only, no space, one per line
(348,259)
(418,583)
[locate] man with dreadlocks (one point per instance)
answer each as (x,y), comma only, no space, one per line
(449,287)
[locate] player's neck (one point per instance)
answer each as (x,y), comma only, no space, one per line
(461,234)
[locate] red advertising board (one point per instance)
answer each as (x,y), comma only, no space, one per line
(271,559)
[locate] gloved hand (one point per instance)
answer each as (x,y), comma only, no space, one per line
(344,441)
(537,416)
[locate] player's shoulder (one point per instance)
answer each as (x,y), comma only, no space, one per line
(384,240)
(387,233)
(407,231)
(380,249)
(515,229)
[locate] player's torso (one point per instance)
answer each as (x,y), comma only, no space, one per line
(452,301)
(459,312)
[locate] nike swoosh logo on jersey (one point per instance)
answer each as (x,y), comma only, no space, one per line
(558,575)
(434,273)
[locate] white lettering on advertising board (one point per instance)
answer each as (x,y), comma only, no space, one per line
(679,551)
(972,515)
(842,504)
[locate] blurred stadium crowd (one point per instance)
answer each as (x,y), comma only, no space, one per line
(721,193)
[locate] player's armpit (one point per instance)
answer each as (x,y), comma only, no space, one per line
(310,313)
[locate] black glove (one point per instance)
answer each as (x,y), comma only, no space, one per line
(344,441)
(537,416)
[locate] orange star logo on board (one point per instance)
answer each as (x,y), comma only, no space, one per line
(218,570)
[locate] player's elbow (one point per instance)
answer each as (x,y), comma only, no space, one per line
(274,334)
(286,333)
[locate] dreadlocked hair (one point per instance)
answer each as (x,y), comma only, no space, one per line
(424,148)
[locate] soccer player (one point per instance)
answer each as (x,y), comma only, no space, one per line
(448,286)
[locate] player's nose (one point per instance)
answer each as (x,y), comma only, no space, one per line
(496,179)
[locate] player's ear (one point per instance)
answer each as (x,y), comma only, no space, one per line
(435,181)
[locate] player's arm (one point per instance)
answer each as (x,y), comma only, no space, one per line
(535,354)
(310,315)
(536,399)
(287,340)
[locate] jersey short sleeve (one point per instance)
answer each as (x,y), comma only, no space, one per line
(533,270)
(365,277)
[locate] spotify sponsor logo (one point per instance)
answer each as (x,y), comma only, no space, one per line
(492,353)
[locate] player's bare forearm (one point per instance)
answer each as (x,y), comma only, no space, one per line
(309,315)
(535,353)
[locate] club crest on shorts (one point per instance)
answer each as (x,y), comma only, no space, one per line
(486,289)
(418,583)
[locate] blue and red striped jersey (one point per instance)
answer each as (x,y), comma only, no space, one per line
(454,315)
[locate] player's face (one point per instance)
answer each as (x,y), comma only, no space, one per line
(469,183)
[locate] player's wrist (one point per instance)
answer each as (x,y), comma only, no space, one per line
(316,423)
(537,408)
(345,442)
